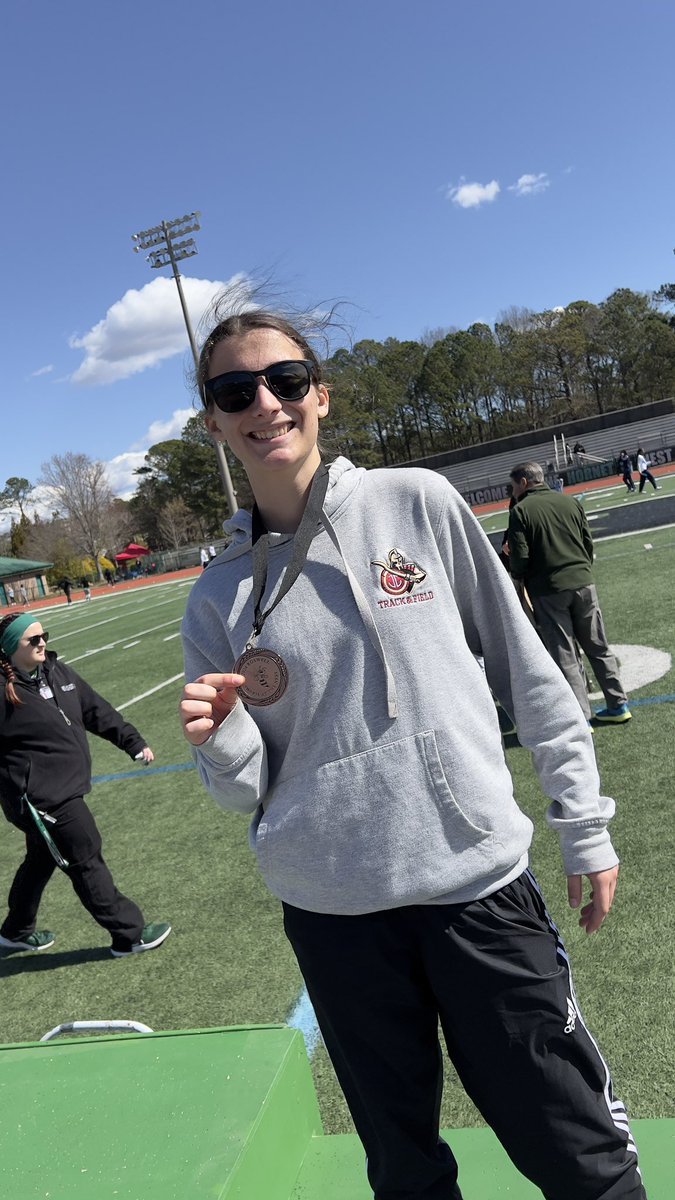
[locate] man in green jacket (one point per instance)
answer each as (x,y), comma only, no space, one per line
(551,554)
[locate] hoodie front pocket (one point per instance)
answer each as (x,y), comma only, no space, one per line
(374,830)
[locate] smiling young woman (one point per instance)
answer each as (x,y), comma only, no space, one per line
(340,658)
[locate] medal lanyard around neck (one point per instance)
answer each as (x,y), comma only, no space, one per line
(302,541)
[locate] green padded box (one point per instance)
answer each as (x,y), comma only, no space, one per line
(187,1115)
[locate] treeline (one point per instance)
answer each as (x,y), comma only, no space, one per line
(394,401)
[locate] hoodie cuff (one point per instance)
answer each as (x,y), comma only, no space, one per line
(233,741)
(588,849)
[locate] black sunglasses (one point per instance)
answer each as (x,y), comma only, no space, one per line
(37,638)
(235,390)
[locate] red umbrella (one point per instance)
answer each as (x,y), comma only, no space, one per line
(134,550)
(124,557)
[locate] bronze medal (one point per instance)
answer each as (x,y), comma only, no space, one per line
(265,672)
(266,676)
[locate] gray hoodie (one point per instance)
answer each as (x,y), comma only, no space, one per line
(379,778)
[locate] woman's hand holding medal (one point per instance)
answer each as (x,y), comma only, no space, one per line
(206,703)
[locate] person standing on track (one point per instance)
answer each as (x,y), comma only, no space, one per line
(335,691)
(46,710)
(626,469)
(643,465)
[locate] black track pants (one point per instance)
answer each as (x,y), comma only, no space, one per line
(496,975)
(77,837)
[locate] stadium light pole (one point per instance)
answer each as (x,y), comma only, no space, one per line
(166,251)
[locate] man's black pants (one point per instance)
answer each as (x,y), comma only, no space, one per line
(77,837)
(495,973)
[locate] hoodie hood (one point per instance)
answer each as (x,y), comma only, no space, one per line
(343,479)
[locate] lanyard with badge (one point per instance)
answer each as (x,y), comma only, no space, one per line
(265,671)
(45,690)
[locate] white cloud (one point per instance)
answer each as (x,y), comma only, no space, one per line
(42,371)
(120,469)
(120,472)
(143,328)
(529,185)
(162,431)
(471,195)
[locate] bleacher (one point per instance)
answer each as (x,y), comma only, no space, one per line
(488,465)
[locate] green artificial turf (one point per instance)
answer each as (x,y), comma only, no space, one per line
(227,960)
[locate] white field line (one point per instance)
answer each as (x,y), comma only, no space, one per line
(130,644)
(588,497)
(123,601)
(612,537)
(109,620)
(171,637)
(158,688)
(60,606)
(112,645)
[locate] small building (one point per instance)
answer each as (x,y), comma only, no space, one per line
(18,573)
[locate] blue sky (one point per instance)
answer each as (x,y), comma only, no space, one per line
(431,164)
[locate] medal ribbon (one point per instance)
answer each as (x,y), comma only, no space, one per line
(303,539)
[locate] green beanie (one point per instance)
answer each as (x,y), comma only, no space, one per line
(15,631)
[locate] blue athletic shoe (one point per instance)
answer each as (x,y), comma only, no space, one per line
(614,716)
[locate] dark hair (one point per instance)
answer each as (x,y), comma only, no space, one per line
(531,471)
(238,324)
(6,664)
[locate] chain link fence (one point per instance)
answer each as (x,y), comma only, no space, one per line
(161,562)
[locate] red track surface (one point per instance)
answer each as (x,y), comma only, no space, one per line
(78,594)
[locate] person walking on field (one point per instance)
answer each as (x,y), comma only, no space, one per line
(10,593)
(643,465)
(552,556)
(334,690)
(626,469)
(46,710)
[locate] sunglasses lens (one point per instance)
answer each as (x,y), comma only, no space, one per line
(289,380)
(232,392)
(38,637)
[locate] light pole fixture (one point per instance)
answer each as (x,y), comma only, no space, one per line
(165,250)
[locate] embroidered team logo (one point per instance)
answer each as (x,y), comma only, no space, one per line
(571,1016)
(398,577)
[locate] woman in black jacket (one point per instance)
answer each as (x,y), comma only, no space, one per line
(46,710)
